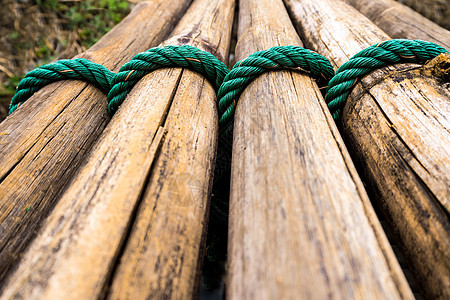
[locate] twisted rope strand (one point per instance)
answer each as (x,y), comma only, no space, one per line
(229,84)
(371,58)
(118,85)
(170,56)
(80,68)
(275,58)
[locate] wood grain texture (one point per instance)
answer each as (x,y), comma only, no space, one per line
(45,140)
(301,224)
(397,128)
(132,222)
(164,254)
(401,22)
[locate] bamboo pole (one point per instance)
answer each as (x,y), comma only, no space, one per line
(132,222)
(395,123)
(401,22)
(436,10)
(44,141)
(301,224)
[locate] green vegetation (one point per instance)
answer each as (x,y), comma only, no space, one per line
(9,87)
(90,19)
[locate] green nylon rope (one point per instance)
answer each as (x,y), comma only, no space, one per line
(374,57)
(170,56)
(228,84)
(80,68)
(275,58)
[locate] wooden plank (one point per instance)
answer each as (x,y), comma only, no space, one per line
(132,222)
(46,139)
(301,224)
(401,22)
(396,125)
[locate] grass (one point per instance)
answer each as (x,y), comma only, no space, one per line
(37,32)
(90,19)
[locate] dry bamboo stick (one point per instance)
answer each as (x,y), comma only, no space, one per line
(301,224)
(401,22)
(132,222)
(45,140)
(397,128)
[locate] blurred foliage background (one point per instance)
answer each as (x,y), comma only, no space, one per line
(33,33)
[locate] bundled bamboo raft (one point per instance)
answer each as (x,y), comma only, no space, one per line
(132,222)
(395,124)
(118,208)
(44,142)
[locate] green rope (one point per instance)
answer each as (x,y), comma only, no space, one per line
(374,57)
(81,69)
(119,85)
(275,58)
(170,56)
